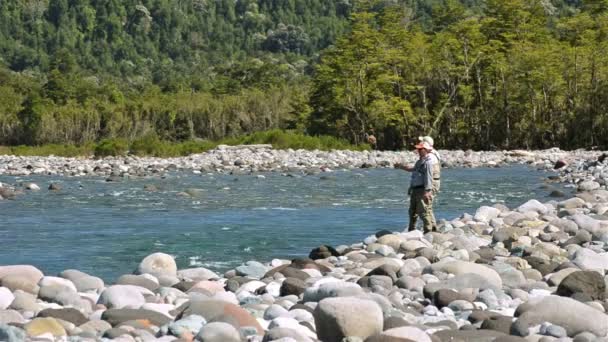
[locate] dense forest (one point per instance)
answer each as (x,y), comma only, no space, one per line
(474,73)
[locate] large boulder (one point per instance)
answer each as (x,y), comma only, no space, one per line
(292,286)
(570,314)
(214,309)
(285,334)
(401,334)
(458,267)
(11,334)
(485,214)
(199,273)
(470,336)
(188,325)
(6,298)
(332,289)
(16,282)
(138,280)
(40,326)
(337,318)
(11,317)
(459,283)
(533,206)
(585,285)
(252,269)
(218,332)
(83,281)
(323,252)
(158,264)
(588,185)
(122,296)
(25,271)
(391,240)
(587,259)
(118,316)
(587,223)
(67,314)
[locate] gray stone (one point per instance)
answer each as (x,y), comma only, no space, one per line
(252,269)
(533,206)
(559,311)
(25,302)
(218,332)
(137,280)
(97,327)
(468,336)
(336,318)
(191,324)
(485,214)
(463,267)
(332,289)
(122,296)
(587,259)
(588,186)
(292,286)
(158,264)
(11,334)
(67,314)
(459,282)
(10,317)
(402,334)
(588,283)
(199,273)
(118,316)
(556,331)
(285,334)
(6,298)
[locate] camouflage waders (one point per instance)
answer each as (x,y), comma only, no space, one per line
(422,209)
(419,208)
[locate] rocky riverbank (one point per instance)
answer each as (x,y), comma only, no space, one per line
(259,158)
(532,273)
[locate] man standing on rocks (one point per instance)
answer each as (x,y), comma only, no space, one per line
(424,185)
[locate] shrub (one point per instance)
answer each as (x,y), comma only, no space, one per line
(111,147)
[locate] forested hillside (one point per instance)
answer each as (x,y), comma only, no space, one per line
(480,74)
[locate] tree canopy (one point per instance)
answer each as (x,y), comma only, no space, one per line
(474,73)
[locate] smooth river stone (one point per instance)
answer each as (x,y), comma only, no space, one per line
(337,318)
(158,264)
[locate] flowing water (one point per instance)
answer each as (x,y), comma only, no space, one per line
(106,228)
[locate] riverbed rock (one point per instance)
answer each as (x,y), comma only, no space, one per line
(458,267)
(218,332)
(212,309)
(122,296)
(252,269)
(28,272)
(559,311)
(199,273)
(6,298)
(401,334)
(11,334)
(332,289)
(118,316)
(337,318)
(10,317)
(67,314)
(486,214)
(138,280)
(588,186)
(40,326)
(158,264)
(323,252)
(583,285)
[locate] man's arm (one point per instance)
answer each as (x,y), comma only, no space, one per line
(403,167)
